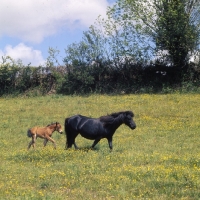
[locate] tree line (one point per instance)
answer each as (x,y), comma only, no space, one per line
(140,47)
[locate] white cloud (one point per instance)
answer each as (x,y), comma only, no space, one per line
(194,57)
(24,53)
(32,20)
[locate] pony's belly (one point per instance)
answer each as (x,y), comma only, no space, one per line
(91,136)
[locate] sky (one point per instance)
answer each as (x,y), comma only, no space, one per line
(29,27)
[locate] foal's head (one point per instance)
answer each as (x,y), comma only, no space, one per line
(58,127)
(128,119)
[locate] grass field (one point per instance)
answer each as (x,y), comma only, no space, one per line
(160,159)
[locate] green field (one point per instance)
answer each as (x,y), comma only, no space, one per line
(160,159)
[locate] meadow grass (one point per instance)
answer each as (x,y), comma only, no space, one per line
(160,159)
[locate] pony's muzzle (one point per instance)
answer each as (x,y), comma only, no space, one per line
(132,126)
(60,131)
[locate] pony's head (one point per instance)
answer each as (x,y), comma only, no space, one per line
(128,119)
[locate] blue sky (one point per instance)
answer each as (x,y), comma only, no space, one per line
(29,27)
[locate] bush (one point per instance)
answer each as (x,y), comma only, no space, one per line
(99,77)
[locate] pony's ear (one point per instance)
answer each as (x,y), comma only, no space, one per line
(56,123)
(130,113)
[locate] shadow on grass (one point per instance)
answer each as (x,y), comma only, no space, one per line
(84,149)
(46,154)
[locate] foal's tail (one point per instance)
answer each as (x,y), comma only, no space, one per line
(29,133)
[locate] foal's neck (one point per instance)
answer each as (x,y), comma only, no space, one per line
(52,127)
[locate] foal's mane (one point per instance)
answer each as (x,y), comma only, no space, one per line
(52,123)
(109,119)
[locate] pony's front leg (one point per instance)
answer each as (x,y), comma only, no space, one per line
(95,142)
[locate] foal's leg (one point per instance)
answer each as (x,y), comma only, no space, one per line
(32,142)
(29,145)
(50,139)
(95,142)
(45,141)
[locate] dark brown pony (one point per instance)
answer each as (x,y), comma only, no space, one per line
(43,132)
(96,128)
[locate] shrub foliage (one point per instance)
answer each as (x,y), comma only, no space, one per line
(100,78)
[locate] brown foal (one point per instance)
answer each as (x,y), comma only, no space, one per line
(44,133)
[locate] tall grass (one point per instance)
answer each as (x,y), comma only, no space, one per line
(160,159)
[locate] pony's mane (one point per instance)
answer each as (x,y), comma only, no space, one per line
(111,117)
(52,123)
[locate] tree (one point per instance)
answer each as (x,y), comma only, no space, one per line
(8,73)
(79,59)
(170,25)
(122,46)
(175,32)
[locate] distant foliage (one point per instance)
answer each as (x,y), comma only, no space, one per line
(16,78)
(102,77)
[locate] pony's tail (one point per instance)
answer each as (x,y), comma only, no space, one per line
(66,132)
(29,133)
(66,124)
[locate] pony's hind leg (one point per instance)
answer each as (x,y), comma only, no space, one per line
(70,143)
(71,140)
(95,142)
(76,147)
